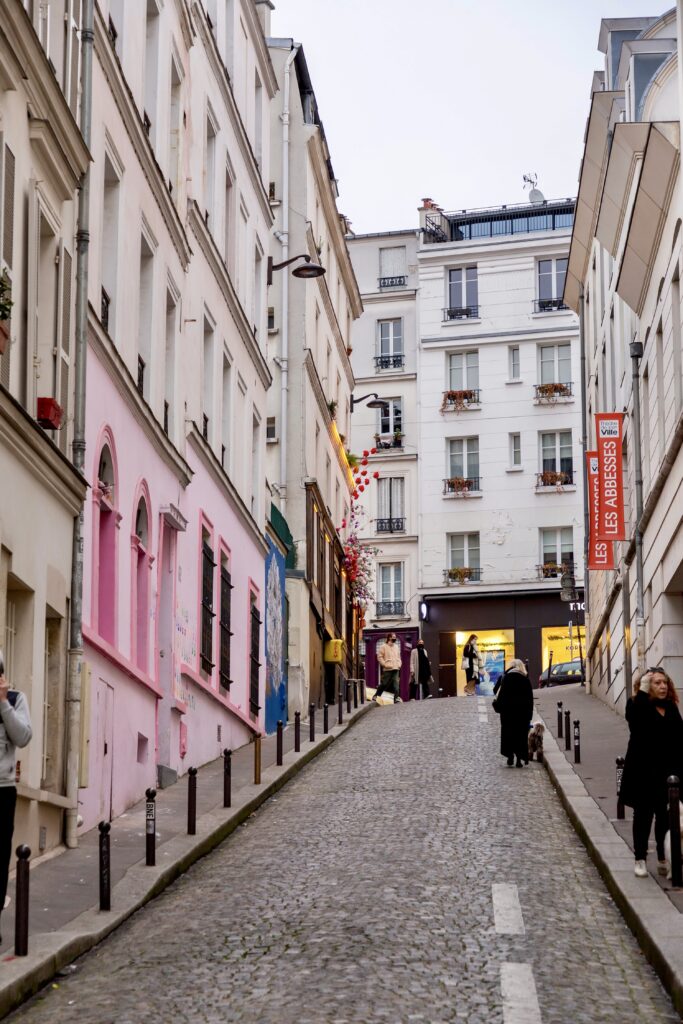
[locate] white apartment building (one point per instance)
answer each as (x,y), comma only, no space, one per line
(309,342)
(500,453)
(385,363)
(625,265)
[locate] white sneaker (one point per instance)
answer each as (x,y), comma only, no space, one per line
(640,869)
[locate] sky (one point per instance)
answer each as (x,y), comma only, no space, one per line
(451,99)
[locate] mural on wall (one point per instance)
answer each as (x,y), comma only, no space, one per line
(275,638)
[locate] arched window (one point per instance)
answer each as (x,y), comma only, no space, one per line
(104,555)
(140,583)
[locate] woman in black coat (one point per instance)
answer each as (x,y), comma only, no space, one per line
(655,751)
(515,704)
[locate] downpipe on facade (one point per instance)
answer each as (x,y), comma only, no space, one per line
(636,351)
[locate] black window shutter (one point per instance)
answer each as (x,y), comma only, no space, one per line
(208,615)
(226,634)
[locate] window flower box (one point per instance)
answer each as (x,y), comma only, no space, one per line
(456,401)
(459,574)
(553,478)
(552,391)
(49,413)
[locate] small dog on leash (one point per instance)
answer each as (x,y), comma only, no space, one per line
(536,742)
(667,848)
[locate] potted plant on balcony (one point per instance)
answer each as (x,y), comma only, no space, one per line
(550,570)
(551,391)
(552,478)
(398,439)
(5,311)
(459,485)
(458,400)
(459,573)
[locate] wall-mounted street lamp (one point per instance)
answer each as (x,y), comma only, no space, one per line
(307,270)
(375,403)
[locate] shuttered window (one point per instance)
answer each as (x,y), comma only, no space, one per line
(65,348)
(254,663)
(226,634)
(208,614)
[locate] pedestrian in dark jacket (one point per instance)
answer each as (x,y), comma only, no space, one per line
(655,751)
(15,731)
(471,661)
(514,702)
(420,671)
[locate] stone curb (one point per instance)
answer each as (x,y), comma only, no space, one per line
(651,916)
(49,952)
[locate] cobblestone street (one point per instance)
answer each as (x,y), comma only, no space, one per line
(405,875)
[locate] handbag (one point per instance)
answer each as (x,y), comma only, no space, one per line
(465,663)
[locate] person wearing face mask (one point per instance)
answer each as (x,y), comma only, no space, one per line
(655,751)
(389,660)
(420,671)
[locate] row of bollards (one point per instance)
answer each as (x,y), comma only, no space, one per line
(564,731)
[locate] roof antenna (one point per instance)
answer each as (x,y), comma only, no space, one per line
(535,194)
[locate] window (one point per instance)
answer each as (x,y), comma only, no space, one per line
(7,178)
(257,296)
(208,614)
(209,168)
(62,365)
(110,245)
(51,776)
(169,362)
(145,312)
(391,504)
(226,412)
(463,293)
(228,217)
(556,364)
(463,552)
(225,622)
(391,417)
(258,119)
(390,579)
(208,379)
(515,450)
(151,68)
(392,266)
(463,371)
(513,362)
(390,341)
(141,569)
(463,458)
(551,278)
(105,529)
(254,651)
(557,548)
(174,130)
(556,457)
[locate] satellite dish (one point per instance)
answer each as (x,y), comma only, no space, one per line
(536,196)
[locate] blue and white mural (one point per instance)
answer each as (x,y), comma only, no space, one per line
(276,638)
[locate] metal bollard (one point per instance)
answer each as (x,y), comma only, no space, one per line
(348,696)
(297,732)
(621,813)
(567,731)
(227,778)
(151,828)
(559,719)
(257,760)
(577,741)
(673,783)
(21,918)
(340,709)
(362,691)
(278,745)
(355,693)
(192,802)
(105,873)
(311,723)
(326,718)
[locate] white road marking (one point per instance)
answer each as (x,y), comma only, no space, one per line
(507,913)
(520,1002)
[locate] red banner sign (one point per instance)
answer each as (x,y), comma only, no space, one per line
(600,552)
(611,520)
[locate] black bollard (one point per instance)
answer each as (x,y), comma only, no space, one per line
(340,708)
(362,691)
(348,696)
(673,783)
(355,693)
(311,723)
(577,741)
(192,802)
(278,745)
(105,873)
(297,732)
(559,719)
(621,813)
(567,731)
(151,828)
(21,918)
(257,760)
(227,778)
(326,718)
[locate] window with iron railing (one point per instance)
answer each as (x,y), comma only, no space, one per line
(463,293)
(557,551)
(551,277)
(556,458)
(463,558)
(390,344)
(391,504)
(390,587)
(208,614)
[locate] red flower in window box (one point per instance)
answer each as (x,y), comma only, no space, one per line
(49,413)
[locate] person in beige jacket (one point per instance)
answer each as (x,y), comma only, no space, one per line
(389,661)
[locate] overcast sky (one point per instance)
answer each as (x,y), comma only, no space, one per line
(452,99)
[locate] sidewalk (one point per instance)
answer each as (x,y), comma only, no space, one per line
(653,911)
(65,920)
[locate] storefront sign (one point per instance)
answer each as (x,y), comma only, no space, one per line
(611,522)
(600,552)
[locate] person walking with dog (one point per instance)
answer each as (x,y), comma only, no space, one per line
(389,661)
(655,751)
(420,672)
(15,731)
(471,660)
(514,702)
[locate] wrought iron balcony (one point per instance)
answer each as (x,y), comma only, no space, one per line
(461,486)
(555,478)
(395,362)
(383,442)
(393,524)
(551,392)
(462,574)
(105,303)
(460,313)
(397,281)
(391,608)
(459,400)
(551,570)
(548,305)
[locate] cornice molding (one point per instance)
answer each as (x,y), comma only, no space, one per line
(132,122)
(219,271)
(187,26)
(211,463)
(120,375)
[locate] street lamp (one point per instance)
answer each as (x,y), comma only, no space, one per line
(376,403)
(307,270)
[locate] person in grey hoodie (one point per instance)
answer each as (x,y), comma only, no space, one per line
(15,731)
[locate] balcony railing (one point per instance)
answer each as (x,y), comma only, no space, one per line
(383,442)
(395,362)
(397,281)
(141,375)
(462,574)
(555,478)
(457,401)
(460,313)
(394,524)
(551,392)
(551,570)
(461,485)
(105,303)
(548,305)
(389,608)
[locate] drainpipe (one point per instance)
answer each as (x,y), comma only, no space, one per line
(73,690)
(584,446)
(284,346)
(636,351)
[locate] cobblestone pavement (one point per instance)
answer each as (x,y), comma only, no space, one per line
(362,894)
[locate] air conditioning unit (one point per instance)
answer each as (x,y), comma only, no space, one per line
(49,414)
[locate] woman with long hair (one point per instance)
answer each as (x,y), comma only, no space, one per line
(655,751)
(514,702)
(470,662)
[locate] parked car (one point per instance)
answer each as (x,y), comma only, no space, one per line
(563,672)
